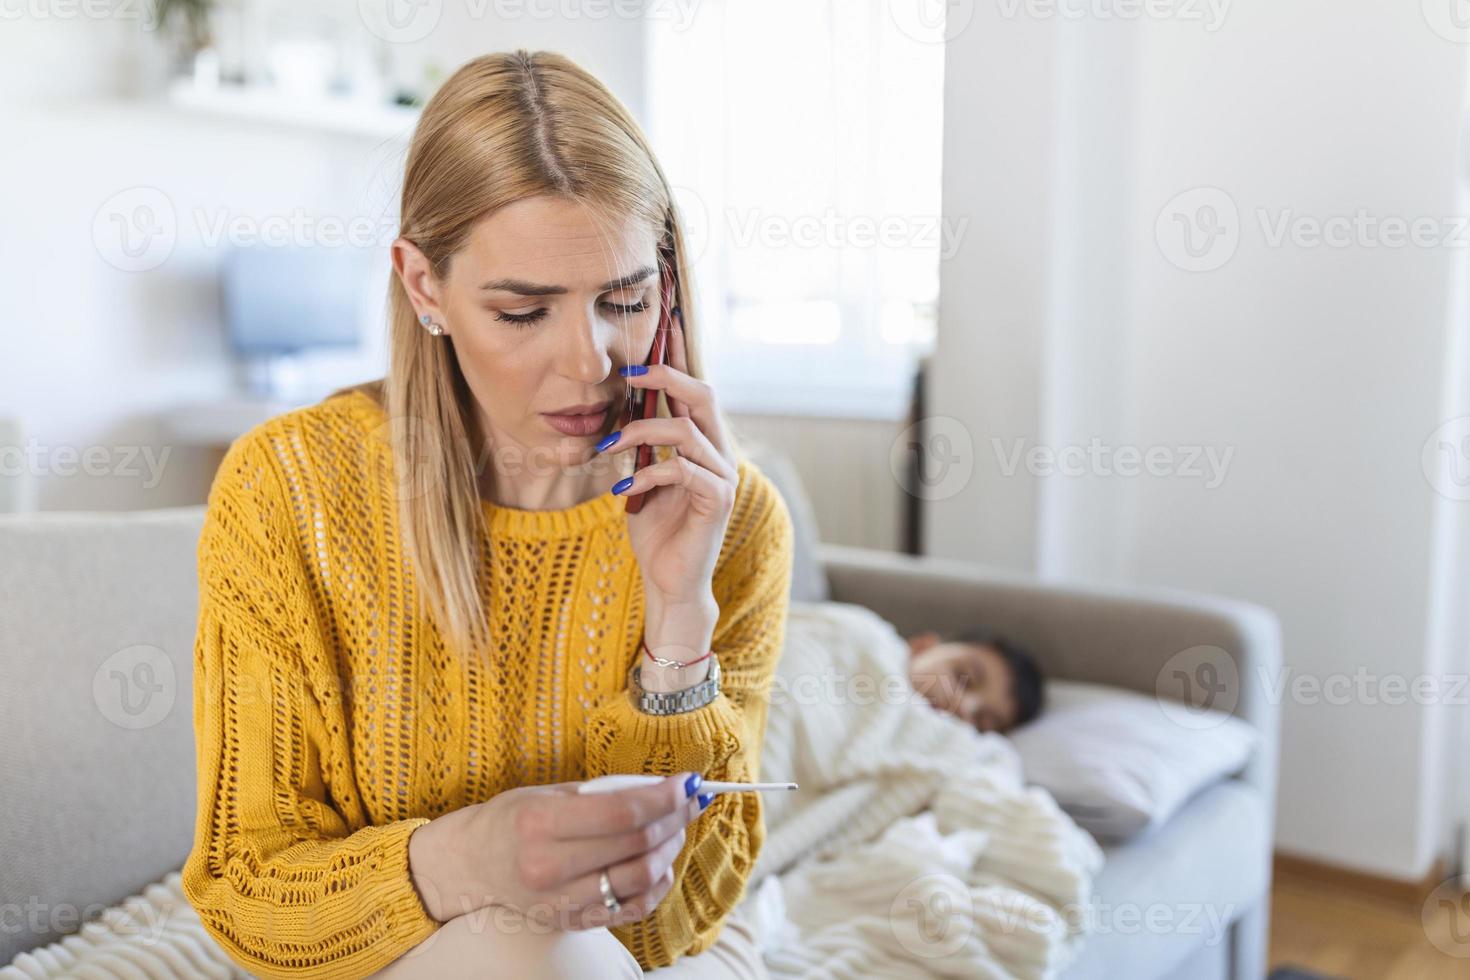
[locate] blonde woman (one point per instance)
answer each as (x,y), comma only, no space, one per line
(422,597)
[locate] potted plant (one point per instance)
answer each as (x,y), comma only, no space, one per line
(189,21)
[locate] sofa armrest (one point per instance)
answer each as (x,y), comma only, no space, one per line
(1124,636)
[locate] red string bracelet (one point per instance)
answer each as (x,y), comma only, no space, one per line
(662,662)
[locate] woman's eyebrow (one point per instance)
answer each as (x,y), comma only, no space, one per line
(524,288)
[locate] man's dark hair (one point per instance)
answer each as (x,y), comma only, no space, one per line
(1026,676)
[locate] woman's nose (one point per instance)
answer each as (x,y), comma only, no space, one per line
(587,356)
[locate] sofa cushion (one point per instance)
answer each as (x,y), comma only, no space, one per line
(96,711)
(1172,890)
(808,580)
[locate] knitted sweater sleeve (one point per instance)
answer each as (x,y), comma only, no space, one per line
(285,871)
(721,740)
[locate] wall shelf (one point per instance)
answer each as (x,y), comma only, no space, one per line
(351,117)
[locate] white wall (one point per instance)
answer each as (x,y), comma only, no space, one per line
(998,174)
(1322,369)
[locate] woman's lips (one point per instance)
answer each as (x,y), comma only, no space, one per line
(577,425)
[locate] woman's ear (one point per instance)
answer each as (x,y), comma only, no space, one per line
(416,273)
(920,642)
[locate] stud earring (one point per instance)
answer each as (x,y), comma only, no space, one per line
(434,328)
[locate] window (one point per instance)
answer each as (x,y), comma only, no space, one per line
(803,139)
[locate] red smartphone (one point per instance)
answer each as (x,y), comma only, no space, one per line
(645,400)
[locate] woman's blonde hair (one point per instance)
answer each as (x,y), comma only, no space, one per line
(503,127)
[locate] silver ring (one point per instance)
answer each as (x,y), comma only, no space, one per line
(608,898)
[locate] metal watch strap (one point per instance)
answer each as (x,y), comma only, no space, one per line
(674,702)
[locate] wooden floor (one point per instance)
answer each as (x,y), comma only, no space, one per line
(1341,933)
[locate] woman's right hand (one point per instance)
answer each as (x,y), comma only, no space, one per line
(541,849)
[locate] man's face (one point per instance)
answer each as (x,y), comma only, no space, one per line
(971,681)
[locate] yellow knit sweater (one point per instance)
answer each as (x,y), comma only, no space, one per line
(331,722)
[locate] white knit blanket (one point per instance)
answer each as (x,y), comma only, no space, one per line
(153,936)
(913,846)
(911,849)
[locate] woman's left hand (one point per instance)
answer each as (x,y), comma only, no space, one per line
(678,533)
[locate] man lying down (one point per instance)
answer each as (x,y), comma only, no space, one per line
(977,675)
(913,846)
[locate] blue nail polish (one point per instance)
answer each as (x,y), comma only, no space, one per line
(633,369)
(622,484)
(704,800)
(691,784)
(608,441)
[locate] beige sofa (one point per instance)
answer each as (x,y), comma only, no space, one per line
(97,614)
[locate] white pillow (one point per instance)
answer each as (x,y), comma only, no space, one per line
(1118,764)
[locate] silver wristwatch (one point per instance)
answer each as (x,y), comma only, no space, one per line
(674,702)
